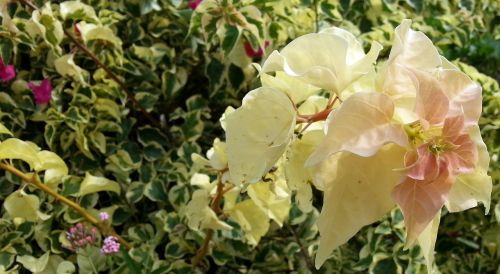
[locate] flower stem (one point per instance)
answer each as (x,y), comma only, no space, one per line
(202,251)
(35,181)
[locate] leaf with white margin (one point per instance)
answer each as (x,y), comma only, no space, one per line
(13,148)
(251,219)
(361,125)
(77,10)
(4,130)
(299,177)
(357,193)
(297,90)
(21,205)
(92,32)
(471,188)
(92,184)
(275,207)
(55,168)
(65,66)
(427,242)
(6,19)
(258,133)
(48,26)
(33,264)
(330,59)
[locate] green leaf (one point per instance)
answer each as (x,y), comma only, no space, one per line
(92,184)
(34,264)
(231,35)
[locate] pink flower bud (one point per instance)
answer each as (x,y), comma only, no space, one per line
(7,73)
(42,92)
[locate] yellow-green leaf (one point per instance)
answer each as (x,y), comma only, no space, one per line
(77,10)
(92,184)
(17,149)
(21,205)
(54,167)
(34,264)
(67,67)
(92,32)
(4,130)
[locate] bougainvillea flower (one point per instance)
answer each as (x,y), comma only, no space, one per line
(193,4)
(7,72)
(42,92)
(253,53)
(331,59)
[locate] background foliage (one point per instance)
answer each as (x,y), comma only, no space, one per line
(184,67)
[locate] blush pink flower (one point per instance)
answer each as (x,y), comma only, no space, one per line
(443,149)
(193,4)
(251,52)
(7,72)
(42,92)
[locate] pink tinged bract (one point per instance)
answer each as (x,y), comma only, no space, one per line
(431,105)
(7,72)
(361,125)
(464,94)
(420,201)
(42,92)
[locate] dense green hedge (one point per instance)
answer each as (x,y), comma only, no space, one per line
(181,68)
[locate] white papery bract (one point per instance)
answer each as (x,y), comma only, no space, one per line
(331,59)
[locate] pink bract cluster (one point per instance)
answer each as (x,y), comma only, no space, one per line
(81,236)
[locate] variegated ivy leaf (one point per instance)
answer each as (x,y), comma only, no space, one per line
(77,10)
(92,32)
(258,133)
(47,26)
(92,184)
(65,65)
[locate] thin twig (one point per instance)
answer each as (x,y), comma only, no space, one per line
(215,206)
(309,262)
(108,71)
(33,180)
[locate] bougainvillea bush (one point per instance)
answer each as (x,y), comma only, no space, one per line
(215,136)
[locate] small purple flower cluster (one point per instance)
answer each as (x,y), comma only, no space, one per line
(80,236)
(110,246)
